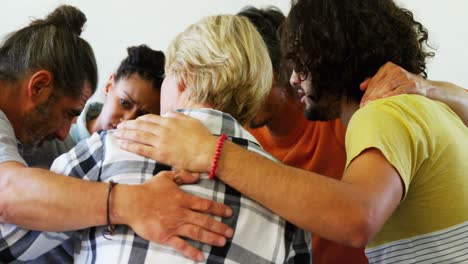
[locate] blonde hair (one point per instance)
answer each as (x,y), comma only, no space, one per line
(223,61)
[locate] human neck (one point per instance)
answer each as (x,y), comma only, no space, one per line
(187,104)
(93,125)
(286,119)
(348,108)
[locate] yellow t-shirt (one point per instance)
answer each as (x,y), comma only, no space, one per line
(427,144)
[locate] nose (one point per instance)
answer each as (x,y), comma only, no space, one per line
(63,131)
(294,80)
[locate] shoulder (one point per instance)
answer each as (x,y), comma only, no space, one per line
(405,106)
(5,125)
(9,145)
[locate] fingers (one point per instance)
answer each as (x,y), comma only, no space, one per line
(381,74)
(180,176)
(141,149)
(185,177)
(149,127)
(185,248)
(208,223)
(199,234)
(139,136)
(391,81)
(364,84)
(161,120)
(151,118)
(206,206)
(404,89)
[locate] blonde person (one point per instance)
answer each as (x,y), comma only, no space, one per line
(212,74)
(403,194)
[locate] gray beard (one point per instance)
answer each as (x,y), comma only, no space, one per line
(35,124)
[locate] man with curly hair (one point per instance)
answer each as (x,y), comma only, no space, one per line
(403,193)
(319,146)
(404,153)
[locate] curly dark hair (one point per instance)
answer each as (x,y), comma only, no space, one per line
(147,63)
(340,43)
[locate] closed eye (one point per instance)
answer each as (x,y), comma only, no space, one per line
(72,113)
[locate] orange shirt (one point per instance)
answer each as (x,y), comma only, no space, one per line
(318,147)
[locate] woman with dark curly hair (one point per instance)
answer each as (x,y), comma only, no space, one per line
(403,193)
(132,91)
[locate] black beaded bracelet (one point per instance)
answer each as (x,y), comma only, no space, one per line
(110,227)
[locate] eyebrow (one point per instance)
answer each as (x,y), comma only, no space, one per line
(130,98)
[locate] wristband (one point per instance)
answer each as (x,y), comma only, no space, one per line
(221,140)
(110,227)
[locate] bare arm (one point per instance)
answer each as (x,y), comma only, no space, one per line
(30,196)
(392,80)
(157,210)
(361,204)
(454,96)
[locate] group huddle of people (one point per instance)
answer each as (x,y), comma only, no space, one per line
(255,138)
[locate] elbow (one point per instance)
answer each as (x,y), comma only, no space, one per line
(3,198)
(363,227)
(359,238)
(2,211)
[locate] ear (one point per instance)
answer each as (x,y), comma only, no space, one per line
(181,86)
(109,84)
(181,96)
(39,87)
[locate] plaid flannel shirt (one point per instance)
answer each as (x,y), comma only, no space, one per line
(260,235)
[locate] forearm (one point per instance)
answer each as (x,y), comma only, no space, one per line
(318,204)
(38,199)
(454,96)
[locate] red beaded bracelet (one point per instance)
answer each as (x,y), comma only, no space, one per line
(221,140)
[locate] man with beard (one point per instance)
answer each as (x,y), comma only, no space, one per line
(47,73)
(284,132)
(403,193)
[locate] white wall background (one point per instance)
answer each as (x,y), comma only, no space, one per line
(114,25)
(447,23)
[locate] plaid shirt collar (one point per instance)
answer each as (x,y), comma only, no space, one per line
(219,123)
